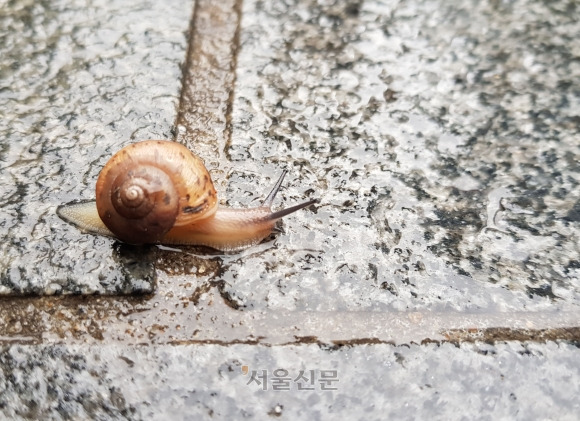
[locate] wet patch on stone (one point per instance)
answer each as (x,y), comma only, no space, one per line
(81,81)
(431,143)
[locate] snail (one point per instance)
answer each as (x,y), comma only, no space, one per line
(159,192)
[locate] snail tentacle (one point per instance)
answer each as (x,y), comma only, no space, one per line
(274,216)
(272,195)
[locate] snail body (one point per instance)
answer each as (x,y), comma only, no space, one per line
(159,192)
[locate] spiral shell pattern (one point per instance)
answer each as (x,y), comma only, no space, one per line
(149,187)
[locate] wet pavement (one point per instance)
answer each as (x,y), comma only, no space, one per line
(442,141)
(78,80)
(508,380)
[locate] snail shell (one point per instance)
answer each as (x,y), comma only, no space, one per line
(148,188)
(159,192)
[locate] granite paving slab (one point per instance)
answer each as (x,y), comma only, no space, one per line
(368,382)
(442,139)
(78,80)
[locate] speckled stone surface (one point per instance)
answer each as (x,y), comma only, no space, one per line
(442,139)
(514,381)
(77,81)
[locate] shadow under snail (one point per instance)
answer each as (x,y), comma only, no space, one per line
(159,192)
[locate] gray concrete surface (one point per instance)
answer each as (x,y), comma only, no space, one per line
(375,382)
(78,80)
(441,138)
